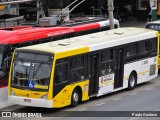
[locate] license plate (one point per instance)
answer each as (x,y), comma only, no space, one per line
(27,100)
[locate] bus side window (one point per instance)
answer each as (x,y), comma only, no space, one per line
(130,49)
(44,40)
(105,28)
(153,43)
(130,52)
(144,46)
(143,49)
(69,35)
(84,32)
(6,59)
(107,54)
(106,61)
(94,30)
(77,69)
(153,46)
(58,37)
(60,75)
(34,42)
(24,44)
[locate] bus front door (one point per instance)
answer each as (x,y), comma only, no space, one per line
(93,74)
(119,67)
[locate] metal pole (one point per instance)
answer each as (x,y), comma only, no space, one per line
(38,12)
(110,11)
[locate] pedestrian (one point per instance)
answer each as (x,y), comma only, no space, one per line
(149,13)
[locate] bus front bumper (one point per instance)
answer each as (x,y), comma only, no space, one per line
(31,101)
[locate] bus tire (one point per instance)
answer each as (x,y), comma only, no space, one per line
(132,81)
(75,97)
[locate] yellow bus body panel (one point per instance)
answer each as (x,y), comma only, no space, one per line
(28,93)
(10,74)
(63,98)
(71,52)
(59,55)
(51,82)
(158,45)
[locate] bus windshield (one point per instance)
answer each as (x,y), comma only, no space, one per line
(31,71)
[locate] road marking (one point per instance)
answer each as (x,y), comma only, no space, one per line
(117,99)
(83,109)
(100,104)
(157,110)
(58,117)
(133,94)
(149,88)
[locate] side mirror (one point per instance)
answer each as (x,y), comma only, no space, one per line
(7,59)
(6,64)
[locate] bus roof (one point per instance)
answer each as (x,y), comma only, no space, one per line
(19,34)
(28,34)
(154,25)
(154,22)
(96,41)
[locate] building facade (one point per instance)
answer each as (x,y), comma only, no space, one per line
(123,9)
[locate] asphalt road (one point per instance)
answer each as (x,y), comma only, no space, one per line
(145,97)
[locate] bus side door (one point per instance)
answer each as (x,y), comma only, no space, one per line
(119,67)
(93,62)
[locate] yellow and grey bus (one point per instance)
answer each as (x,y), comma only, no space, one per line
(66,72)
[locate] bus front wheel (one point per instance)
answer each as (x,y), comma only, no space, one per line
(75,98)
(132,81)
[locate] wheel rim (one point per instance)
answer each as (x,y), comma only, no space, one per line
(132,81)
(75,97)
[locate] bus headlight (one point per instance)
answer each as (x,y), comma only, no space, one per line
(44,96)
(13,93)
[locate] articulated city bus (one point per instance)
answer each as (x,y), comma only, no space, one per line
(65,72)
(19,36)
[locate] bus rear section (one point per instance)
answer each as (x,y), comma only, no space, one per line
(154,25)
(83,67)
